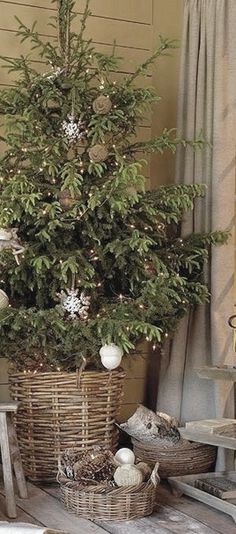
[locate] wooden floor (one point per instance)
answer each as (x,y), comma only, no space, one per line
(173,515)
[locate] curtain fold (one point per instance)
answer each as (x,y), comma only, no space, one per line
(207,103)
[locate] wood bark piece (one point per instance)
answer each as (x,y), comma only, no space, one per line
(7,468)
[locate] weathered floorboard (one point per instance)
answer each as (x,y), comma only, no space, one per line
(222,523)
(48,510)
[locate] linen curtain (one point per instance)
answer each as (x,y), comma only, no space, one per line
(207,103)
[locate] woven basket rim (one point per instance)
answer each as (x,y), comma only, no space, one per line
(92,372)
(101,488)
(187,445)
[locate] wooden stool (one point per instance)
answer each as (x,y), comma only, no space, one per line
(11,457)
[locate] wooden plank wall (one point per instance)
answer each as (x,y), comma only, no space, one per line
(130,22)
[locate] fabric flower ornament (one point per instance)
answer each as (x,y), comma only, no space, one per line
(98,153)
(102,105)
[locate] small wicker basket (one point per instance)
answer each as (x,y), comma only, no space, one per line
(189,458)
(106,502)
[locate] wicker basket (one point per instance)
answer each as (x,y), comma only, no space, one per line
(57,412)
(189,458)
(107,503)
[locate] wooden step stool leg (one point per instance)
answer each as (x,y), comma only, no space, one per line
(16,457)
(7,469)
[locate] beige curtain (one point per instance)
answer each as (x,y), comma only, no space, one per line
(207,102)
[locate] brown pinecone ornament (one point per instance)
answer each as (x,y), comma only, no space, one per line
(102,105)
(98,153)
(66,200)
(95,467)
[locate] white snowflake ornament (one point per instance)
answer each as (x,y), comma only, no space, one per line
(75,305)
(72,129)
(56,71)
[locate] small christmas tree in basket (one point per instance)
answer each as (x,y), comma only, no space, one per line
(90,261)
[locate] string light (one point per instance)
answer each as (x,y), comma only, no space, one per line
(121,296)
(154,347)
(141,306)
(147,338)
(166,334)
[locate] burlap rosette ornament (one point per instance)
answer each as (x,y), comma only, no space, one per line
(98,153)
(102,105)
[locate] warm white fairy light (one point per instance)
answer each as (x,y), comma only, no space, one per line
(154,347)
(141,306)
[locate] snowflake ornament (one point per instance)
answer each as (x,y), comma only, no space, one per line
(72,129)
(75,305)
(54,73)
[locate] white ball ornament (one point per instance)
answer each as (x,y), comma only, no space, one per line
(125,456)
(4,300)
(111,356)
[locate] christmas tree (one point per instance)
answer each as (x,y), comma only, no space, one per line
(88,257)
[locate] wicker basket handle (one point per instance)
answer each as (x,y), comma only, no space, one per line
(155,479)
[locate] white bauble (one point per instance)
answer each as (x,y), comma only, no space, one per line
(125,456)
(4,300)
(128,475)
(111,356)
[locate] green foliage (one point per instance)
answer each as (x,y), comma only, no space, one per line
(118,243)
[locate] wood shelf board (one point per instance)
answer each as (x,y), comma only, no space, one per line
(210,439)
(185,485)
(217,373)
